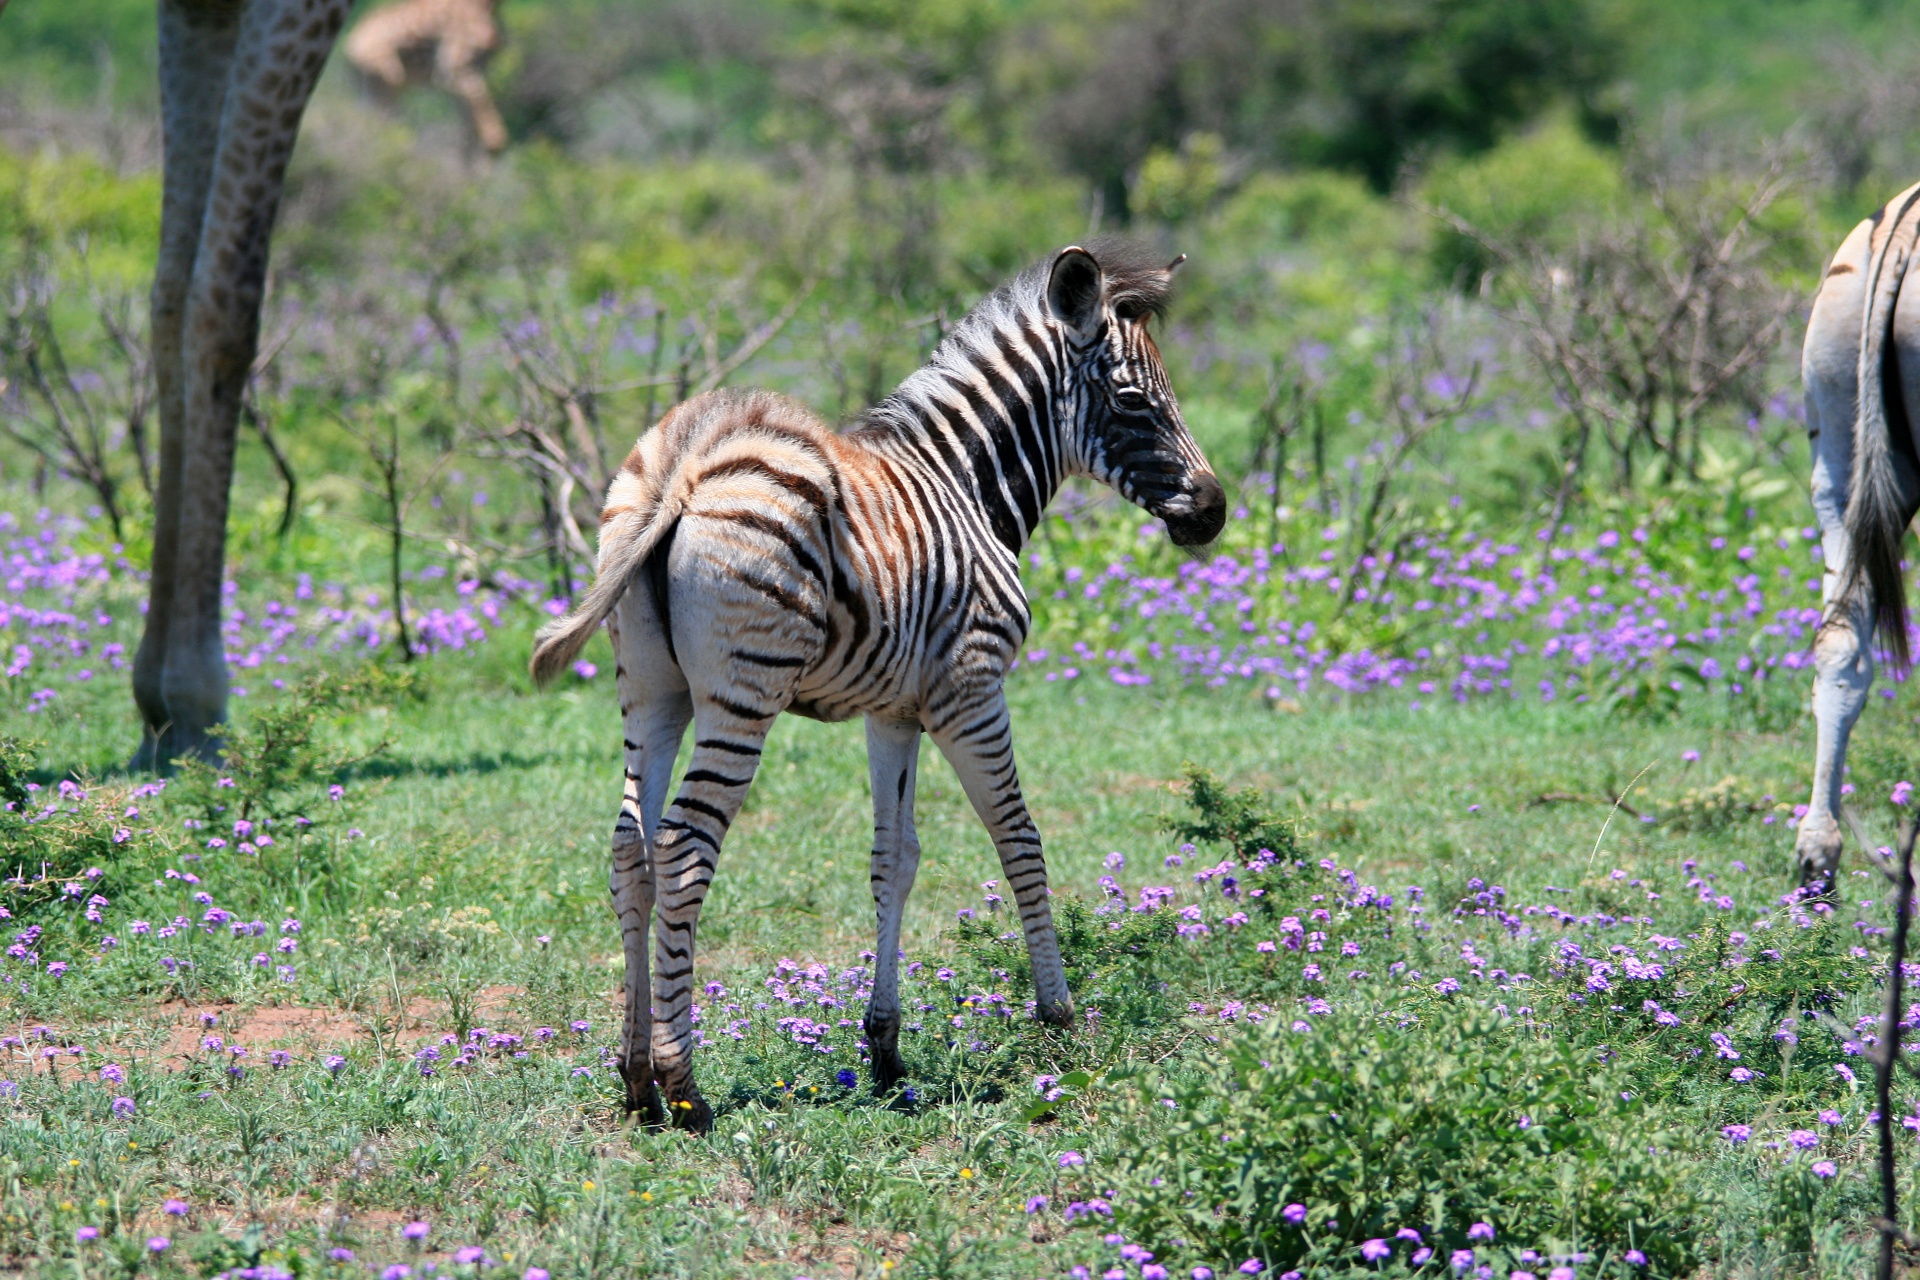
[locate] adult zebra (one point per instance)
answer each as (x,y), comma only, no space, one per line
(778,566)
(1861,369)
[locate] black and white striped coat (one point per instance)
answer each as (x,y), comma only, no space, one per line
(753,561)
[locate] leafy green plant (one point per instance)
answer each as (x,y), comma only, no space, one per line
(276,762)
(1244,820)
(1374,1124)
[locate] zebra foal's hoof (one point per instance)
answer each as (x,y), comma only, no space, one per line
(692,1114)
(1059,1015)
(889,1073)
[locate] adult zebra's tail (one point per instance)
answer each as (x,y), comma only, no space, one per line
(1876,511)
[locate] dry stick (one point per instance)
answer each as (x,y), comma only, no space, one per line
(288,481)
(1615,809)
(1890,1042)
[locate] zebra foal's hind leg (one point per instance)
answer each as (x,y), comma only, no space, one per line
(975,734)
(893,756)
(654,711)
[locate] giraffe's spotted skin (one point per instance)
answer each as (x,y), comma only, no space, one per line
(235,76)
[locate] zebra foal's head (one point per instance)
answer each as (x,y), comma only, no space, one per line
(1128,432)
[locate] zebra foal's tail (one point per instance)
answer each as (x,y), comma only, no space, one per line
(643,502)
(1876,518)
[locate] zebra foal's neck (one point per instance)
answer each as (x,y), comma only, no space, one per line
(985,413)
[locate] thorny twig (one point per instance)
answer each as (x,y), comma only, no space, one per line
(1891,1028)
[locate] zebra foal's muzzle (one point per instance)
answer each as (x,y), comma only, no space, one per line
(1196,517)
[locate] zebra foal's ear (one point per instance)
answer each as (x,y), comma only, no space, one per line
(1074,289)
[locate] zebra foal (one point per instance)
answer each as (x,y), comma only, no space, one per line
(753,561)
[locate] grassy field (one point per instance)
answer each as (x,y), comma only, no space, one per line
(424,983)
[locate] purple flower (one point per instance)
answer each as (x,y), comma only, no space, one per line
(415,1231)
(1374,1250)
(1295,1214)
(846,1077)
(1635,1258)
(468,1254)
(398,1271)
(158,1244)
(1203,1273)
(1480,1232)
(1736,1133)
(1153,1271)
(1071,1159)
(1461,1259)
(175,1208)
(1824,1169)
(339,1254)
(1803,1139)
(1252,1267)
(85,1234)
(534,1273)
(1036,1204)
(123,1106)
(1902,793)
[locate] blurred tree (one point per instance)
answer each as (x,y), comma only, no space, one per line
(1364,85)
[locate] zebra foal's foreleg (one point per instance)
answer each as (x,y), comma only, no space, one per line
(976,736)
(893,755)
(654,711)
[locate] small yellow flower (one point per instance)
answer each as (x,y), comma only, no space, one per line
(646,1195)
(73,1164)
(813,1088)
(966,1173)
(779,1084)
(66,1206)
(587,1185)
(100,1202)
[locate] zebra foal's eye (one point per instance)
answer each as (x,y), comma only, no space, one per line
(1130,398)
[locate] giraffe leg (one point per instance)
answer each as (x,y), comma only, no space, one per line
(976,736)
(728,738)
(655,711)
(893,754)
(196,60)
(281,48)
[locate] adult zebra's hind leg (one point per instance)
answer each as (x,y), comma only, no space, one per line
(1843,646)
(976,736)
(655,709)
(893,756)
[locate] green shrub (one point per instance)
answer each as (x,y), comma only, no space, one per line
(1376,1124)
(276,763)
(1242,820)
(72,835)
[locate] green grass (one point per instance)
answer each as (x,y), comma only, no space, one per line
(492,798)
